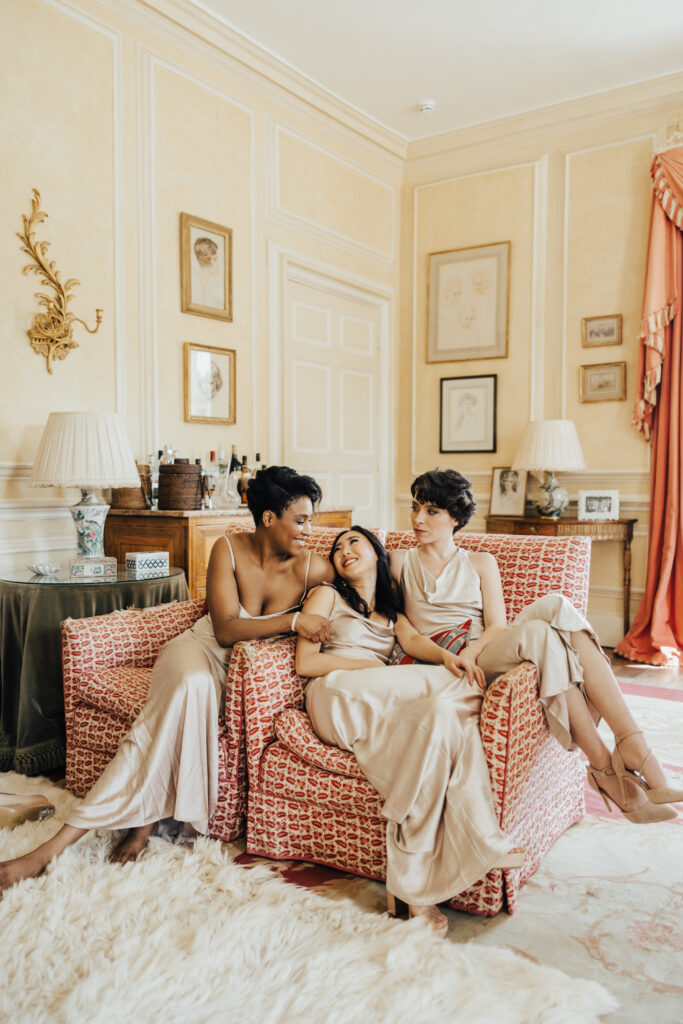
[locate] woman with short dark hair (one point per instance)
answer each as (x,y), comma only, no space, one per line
(444,585)
(167,765)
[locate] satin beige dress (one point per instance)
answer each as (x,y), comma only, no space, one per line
(167,764)
(540,633)
(414,730)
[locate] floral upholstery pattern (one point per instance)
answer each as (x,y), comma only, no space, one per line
(304,803)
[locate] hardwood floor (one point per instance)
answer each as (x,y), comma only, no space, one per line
(634,673)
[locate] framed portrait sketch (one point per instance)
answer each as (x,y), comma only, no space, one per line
(209,384)
(508,492)
(468,414)
(598,505)
(205,268)
(468,303)
(602,382)
(601,330)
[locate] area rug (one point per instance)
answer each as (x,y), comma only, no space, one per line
(188,935)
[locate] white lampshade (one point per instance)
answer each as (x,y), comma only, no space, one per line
(86,450)
(549,445)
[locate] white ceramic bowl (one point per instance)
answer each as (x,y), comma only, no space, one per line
(43,568)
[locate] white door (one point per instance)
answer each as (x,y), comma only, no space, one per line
(333,398)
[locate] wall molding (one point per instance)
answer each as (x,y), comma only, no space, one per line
(28,546)
(212,41)
(15,470)
(275,211)
(20,511)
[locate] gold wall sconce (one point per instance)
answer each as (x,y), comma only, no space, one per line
(51,333)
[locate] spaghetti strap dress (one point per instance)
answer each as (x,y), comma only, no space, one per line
(414,730)
(167,764)
(539,634)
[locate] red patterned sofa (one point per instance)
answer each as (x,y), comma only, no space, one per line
(308,801)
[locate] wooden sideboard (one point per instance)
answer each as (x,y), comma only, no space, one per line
(608,530)
(188,536)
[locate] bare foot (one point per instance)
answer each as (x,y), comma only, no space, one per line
(436,920)
(28,866)
(132,844)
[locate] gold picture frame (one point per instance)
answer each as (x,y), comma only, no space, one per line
(209,381)
(601,330)
(205,268)
(602,382)
(468,303)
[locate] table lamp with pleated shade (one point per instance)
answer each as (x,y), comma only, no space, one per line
(85,450)
(548,446)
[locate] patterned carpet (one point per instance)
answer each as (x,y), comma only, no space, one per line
(607,902)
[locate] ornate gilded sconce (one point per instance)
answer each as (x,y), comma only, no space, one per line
(51,332)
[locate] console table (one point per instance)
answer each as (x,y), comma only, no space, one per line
(188,536)
(31,692)
(613,529)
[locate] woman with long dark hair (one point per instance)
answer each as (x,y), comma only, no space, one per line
(414,730)
(444,585)
(167,765)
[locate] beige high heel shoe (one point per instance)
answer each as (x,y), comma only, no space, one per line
(655,794)
(15,809)
(437,921)
(644,815)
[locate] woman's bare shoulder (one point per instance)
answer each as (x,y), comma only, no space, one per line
(320,599)
(483,562)
(396,560)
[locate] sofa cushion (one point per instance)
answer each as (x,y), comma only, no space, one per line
(98,730)
(452,640)
(120,691)
(294,729)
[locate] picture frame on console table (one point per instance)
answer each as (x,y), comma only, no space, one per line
(468,413)
(508,491)
(209,384)
(205,268)
(598,506)
(468,303)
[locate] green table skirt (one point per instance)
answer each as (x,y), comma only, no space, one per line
(32,739)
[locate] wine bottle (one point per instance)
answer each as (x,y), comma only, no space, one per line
(234,461)
(257,464)
(244,478)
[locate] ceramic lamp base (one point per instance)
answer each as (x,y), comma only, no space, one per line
(550,500)
(89,515)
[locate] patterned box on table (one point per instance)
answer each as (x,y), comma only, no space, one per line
(146,564)
(88,567)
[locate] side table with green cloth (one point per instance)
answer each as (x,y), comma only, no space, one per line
(32,737)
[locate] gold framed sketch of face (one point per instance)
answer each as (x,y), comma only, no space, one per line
(205,268)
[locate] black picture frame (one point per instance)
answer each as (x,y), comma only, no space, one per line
(468,413)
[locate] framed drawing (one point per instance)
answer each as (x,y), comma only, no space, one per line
(508,492)
(205,268)
(601,330)
(598,505)
(602,382)
(468,414)
(209,384)
(468,303)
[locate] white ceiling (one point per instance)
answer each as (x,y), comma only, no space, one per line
(477,60)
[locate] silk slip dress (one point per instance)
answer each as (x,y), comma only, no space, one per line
(414,730)
(167,765)
(540,633)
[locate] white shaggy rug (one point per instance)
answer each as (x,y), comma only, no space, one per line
(185,935)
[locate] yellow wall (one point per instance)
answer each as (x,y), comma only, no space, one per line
(569,187)
(123,119)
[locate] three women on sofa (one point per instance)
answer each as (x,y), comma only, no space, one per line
(415,731)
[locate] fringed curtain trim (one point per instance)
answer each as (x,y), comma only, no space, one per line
(670,204)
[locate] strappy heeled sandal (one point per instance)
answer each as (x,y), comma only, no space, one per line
(437,921)
(655,794)
(15,809)
(644,815)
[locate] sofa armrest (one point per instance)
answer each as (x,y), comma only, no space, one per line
(264,670)
(132,638)
(513,729)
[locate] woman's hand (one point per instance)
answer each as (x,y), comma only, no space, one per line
(316,628)
(459,665)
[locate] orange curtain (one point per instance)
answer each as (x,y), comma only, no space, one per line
(656,636)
